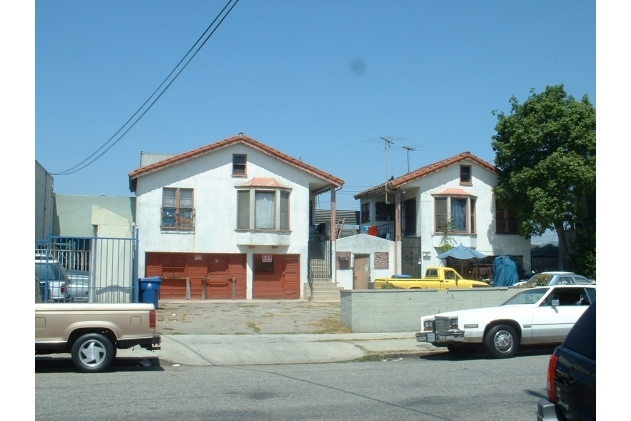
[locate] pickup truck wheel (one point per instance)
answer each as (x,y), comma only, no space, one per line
(92,353)
(501,341)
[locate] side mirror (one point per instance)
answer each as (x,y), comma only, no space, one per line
(555,302)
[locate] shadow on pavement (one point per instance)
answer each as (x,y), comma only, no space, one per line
(480,354)
(48,364)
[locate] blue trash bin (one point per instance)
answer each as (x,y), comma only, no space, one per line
(150,290)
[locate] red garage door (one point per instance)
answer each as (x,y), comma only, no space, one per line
(217,276)
(276,277)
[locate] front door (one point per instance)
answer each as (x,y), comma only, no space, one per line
(361,271)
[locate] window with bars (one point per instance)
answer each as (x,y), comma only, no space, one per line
(459,211)
(263,210)
(178,212)
(384,211)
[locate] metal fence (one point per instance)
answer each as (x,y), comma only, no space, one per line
(87,269)
(319,260)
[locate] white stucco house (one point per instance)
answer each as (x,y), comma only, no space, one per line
(229,220)
(450,201)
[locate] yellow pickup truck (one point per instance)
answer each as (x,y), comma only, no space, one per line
(435,278)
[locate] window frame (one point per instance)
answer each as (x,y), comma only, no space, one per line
(466,175)
(506,223)
(469,217)
(181,221)
(365,212)
(281,209)
(384,211)
(239,169)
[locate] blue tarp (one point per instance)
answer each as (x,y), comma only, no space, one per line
(505,271)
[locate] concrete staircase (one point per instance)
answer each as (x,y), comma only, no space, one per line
(323,290)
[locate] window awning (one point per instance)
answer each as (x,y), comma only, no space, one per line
(453,192)
(263,182)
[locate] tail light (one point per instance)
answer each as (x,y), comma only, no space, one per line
(152,319)
(552,394)
(63,288)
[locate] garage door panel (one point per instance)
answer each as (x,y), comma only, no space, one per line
(174,268)
(279,280)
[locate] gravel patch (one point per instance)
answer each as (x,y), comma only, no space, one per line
(187,317)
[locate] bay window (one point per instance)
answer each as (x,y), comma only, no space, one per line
(263,210)
(459,212)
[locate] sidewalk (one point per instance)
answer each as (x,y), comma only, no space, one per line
(248,332)
(282,349)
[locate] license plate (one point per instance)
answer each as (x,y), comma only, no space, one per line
(431,337)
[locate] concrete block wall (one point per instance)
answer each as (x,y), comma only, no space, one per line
(400,310)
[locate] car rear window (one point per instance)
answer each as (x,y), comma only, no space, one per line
(582,337)
(54,272)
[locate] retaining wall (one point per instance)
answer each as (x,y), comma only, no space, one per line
(400,310)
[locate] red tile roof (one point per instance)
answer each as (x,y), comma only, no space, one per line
(240,138)
(423,171)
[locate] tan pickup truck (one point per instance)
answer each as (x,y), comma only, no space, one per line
(92,333)
(435,278)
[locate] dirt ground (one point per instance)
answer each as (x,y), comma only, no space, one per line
(197,317)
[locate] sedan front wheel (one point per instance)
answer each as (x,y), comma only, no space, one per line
(501,341)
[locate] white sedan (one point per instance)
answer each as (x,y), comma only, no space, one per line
(535,316)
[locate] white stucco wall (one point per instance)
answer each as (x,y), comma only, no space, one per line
(364,244)
(215,204)
(485,240)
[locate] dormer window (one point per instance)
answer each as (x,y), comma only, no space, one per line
(239,165)
(465,174)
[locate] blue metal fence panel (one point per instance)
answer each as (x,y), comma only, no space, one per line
(88,269)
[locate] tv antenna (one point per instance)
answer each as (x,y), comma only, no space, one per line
(408,149)
(388,141)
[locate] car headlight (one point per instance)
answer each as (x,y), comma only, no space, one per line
(453,323)
(428,325)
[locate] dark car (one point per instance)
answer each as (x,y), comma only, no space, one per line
(571,378)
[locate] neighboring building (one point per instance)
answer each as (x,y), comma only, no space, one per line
(447,202)
(44,195)
(94,216)
(230,220)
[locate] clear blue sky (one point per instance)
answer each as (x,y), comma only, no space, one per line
(319,80)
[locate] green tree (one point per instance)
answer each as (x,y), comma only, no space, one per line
(545,152)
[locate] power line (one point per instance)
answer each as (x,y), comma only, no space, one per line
(161,89)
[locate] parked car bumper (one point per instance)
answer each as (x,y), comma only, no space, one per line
(546,411)
(439,339)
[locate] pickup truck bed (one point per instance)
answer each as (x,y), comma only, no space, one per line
(93,332)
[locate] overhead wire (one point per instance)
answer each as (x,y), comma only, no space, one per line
(162,88)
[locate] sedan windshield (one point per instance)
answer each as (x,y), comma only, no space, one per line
(529,296)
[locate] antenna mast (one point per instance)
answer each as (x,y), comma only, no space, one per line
(408,149)
(386,145)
